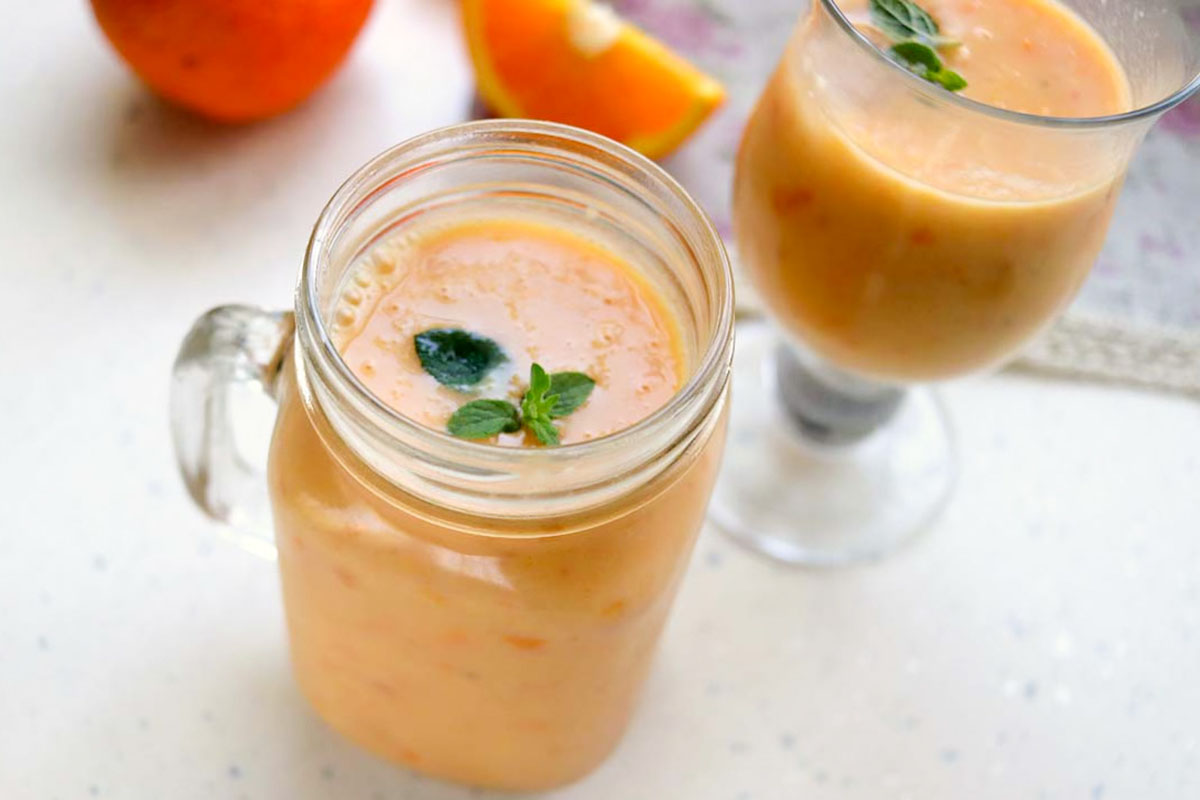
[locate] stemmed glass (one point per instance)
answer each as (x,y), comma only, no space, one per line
(900,234)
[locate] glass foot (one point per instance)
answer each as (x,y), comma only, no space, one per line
(791,497)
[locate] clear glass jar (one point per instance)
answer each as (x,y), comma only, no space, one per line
(479,613)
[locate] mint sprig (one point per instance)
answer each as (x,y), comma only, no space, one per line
(915,35)
(549,397)
(902,20)
(537,405)
(920,59)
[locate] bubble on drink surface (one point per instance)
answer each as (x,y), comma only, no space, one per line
(386,256)
(371,275)
(607,334)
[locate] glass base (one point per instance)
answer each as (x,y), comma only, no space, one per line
(797,500)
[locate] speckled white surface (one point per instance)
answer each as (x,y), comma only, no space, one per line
(1043,641)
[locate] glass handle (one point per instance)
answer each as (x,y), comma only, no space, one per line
(231,353)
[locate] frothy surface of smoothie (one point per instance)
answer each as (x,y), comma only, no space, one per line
(544,293)
(1034,56)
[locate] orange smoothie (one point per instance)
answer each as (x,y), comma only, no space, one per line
(905,239)
(496,652)
(542,293)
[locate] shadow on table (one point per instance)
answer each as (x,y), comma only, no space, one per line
(166,178)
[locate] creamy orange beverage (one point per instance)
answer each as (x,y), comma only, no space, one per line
(901,241)
(490,649)
(541,293)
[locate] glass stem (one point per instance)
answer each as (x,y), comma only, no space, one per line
(826,405)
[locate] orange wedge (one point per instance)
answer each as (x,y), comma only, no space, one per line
(576,62)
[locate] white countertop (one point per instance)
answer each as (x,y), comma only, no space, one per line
(1042,641)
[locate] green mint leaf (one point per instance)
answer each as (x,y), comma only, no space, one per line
(457,358)
(543,429)
(539,381)
(572,389)
(481,419)
(949,79)
(920,59)
(537,401)
(537,405)
(902,19)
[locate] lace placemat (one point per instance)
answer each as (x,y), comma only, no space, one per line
(1136,321)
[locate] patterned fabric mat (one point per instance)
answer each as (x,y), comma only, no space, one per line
(1137,319)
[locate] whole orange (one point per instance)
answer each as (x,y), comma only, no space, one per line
(232,60)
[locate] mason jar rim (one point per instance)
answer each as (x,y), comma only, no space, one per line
(693,400)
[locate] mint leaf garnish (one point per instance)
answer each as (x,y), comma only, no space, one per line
(915,34)
(537,405)
(572,389)
(481,419)
(920,59)
(548,398)
(543,429)
(457,358)
(949,80)
(902,20)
